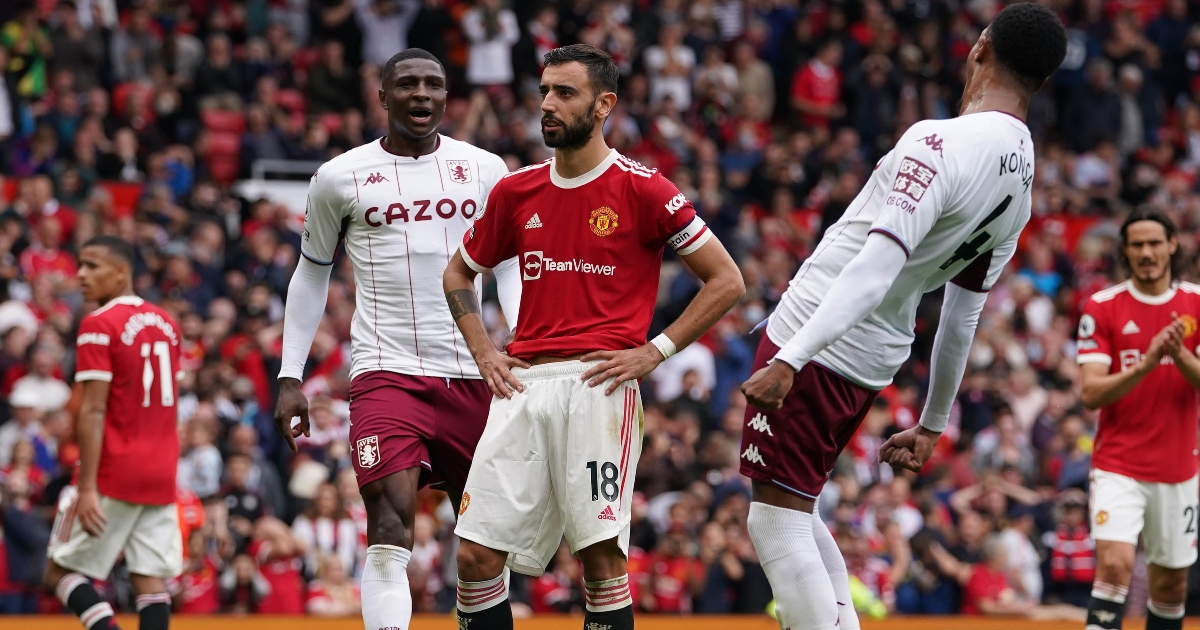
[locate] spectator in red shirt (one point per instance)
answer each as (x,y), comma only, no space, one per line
(196,592)
(817,87)
(43,255)
(280,562)
(675,576)
(557,590)
(333,593)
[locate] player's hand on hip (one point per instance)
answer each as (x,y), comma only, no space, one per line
(496,370)
(620,366)
(767,387)
(909,449)
(88,511)
(292,402)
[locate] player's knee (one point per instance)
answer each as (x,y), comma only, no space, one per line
(1170,588)
(603,561)
(1114,569)
(477,563)
(54,574)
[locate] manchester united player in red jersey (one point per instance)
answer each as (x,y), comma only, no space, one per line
(123,500)
(1137,350)
(564,433)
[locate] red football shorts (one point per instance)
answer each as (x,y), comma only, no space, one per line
(795,447)
(398,421)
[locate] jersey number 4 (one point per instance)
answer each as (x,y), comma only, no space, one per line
(969,250)
(163,352)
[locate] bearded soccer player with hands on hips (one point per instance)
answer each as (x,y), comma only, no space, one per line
(417,404)
(565,430)
(1137,356)
(944,208)
(122,499)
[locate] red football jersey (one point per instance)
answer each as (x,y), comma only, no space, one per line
(591,264)
(1150,434)
(135,346)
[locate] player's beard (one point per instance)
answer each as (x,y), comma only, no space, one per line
(575,134)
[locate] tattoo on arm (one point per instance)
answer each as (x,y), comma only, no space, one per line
(462,302)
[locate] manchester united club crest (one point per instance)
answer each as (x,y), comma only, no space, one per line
(1189,325)
(466,503)
(460,171)
(603,221)
(1101,517)
(368,451)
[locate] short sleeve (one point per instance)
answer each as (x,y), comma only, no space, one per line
(981,274)
(324,217)
(489,241)
(669,218)
(93,351)
(1094,344)
(918,188)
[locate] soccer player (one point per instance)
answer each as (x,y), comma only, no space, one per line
(123,498)
(944,207)
(1137,355)
(417,404)
(564,433)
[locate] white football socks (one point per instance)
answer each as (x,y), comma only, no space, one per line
(835,566)
(804,596)
(386,599)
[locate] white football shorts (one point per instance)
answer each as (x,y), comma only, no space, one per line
(1163,513)
(148,534)
(557,459)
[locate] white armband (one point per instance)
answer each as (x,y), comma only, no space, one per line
(664,345)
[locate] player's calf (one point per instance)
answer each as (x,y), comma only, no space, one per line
(76,592)
(606,587)
(391,512)
(482,588)
(1168,590)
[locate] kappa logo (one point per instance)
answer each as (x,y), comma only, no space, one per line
(759,423)
(607,514)
(753,456)
(534,222)
(375,178)
(1131,328)
(933,142)
(460,171)
(368,451)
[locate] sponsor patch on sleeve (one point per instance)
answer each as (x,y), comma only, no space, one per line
(913,178)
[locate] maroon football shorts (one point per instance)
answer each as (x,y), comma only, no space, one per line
(796,446)
(399,421)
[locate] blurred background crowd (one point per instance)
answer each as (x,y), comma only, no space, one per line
(134,117)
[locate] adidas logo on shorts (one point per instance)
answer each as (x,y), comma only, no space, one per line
(607,514)
(534,222)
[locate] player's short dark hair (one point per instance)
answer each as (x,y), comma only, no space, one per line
(1030,41)
(115,245)
(602,70)
(1153,213)
(405,55)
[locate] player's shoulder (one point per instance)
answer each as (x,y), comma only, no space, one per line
(535,173)
(1190,289)
(635,170)
(455,149)
(342,167)
(1109,295)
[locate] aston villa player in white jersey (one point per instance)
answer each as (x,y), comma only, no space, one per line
(944,207)
(417,404)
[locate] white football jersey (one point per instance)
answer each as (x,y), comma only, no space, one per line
(955,194)
(402,219)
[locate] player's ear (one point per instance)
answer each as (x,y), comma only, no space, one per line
(1173,244)
(382,98)
(983,52)
(605,104)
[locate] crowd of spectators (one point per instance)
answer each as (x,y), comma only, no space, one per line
(133,117)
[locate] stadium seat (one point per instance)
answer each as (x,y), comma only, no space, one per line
(291,100)
(332,123)
(223,171)
(124,195)
(223,144)
(222,120)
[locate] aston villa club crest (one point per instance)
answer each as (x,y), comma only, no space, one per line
(368,451)
(460,171)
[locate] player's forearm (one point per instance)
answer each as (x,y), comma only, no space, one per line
(458,282)
(1103,390)
(856,293)
(721,291)
(951,347)
(89,434)
(1189,366)
(307,294)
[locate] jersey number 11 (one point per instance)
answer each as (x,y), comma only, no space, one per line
(163,352)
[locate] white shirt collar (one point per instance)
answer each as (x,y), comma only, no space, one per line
(586,178)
